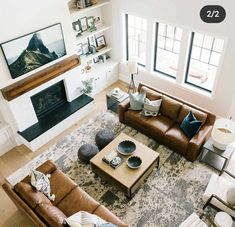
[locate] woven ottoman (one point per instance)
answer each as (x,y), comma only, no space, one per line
(86,152)
(103,138)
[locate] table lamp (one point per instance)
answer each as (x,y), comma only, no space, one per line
(132,69)
(223,133)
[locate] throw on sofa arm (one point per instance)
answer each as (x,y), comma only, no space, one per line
(122,108)
(197,141)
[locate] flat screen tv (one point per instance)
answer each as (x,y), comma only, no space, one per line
(31,51)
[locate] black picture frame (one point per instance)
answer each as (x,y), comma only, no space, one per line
(76,26)
(100,42)
(83,23)
(92,40)
(14,50)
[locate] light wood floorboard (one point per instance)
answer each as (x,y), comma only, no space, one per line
(10,216)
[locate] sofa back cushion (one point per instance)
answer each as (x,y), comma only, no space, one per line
(30,195)
(150,94)
(51,214)
(170,108)
(201,116)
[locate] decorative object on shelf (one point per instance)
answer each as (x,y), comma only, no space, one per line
(91,24)
(134,162)
(80,4)
(103,58)
(92,49)
(100,41)
(96,59)
(87,86)
(132,69)
(77,27)
(85,48)
(83,23)
(87,68)
(31,51)
(97,21)
(223,133)
(126,147)
(79,49)
(88,3)
(91,41)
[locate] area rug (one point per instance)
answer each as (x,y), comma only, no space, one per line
(168,196)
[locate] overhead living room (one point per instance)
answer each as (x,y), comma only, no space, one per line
(117,113)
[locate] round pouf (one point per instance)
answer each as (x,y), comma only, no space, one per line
(86,152)
(103,138)
(222,219)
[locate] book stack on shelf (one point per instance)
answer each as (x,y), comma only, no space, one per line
(113,159)
(118,94)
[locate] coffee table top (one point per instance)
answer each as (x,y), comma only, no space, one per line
(123,173)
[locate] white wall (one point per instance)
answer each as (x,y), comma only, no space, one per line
(185,14)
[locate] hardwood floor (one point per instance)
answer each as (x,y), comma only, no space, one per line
(10,216)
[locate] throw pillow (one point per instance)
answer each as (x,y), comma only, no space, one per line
(151,108)
(137,101)
(41,183)
(85,219)
(231,195)
(190,125)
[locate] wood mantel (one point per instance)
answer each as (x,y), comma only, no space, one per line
(21,87)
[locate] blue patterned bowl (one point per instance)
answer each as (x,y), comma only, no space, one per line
(134,162)
(126,147)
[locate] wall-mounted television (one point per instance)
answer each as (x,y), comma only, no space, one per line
(31,51)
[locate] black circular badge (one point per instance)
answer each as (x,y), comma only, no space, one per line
(213,14)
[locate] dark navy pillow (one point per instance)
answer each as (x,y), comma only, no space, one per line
(190,125)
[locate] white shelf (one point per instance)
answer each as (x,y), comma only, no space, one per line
(75,12)
(87,58)
(86,34)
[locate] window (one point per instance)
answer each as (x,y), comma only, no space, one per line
(136,28)
(167,49)
(203,61)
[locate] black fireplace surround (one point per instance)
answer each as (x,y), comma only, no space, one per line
(51,107)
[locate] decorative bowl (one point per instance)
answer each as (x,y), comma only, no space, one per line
(134,162)
(126,147)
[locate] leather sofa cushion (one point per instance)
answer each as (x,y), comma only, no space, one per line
(30,195)
(134,117)
(61,185)
(159,125)
(51,214)
(151,94)
(170,108)
(201,116)
(105,214)
(174,137)
(77,200)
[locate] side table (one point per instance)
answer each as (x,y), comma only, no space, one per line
(112,102)
(215,157)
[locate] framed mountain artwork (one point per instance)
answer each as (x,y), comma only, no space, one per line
(31,51)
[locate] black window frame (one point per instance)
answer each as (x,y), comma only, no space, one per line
(155,54)
(127,41)
(189,61)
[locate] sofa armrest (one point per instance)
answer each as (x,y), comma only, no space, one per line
(122,108)
(197,141)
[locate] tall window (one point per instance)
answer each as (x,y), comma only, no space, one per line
(167,49)
(136,28)
(203,61)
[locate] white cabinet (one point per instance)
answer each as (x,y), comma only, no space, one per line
(6,138)
(112,75)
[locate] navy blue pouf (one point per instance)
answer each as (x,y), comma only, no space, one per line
(86,152)
(103,138)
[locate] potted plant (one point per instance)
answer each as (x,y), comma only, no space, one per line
(87,86)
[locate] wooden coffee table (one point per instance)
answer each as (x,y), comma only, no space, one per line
(125,179)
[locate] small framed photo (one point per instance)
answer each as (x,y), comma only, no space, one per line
(100,41)
(97,20)
(85,48)
(92,41)
(96,59)
(79,49)
(83,23)
(90,21)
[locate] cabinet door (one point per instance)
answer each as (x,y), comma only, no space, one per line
(6,142)
(99,82)
(112,75)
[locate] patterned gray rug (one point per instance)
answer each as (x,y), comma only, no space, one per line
(168,196)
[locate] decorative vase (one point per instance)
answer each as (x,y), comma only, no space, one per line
(93,2)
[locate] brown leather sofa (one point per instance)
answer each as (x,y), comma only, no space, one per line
(69,200)
(165,128)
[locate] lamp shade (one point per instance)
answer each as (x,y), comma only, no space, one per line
(223,133)
(132,65)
